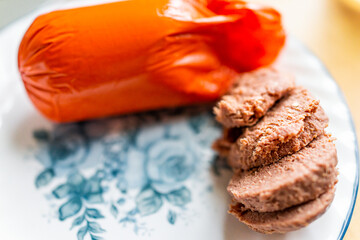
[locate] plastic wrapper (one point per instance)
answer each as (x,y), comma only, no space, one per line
(137,55)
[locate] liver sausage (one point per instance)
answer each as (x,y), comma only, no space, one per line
(287,127)
(287,220)
(293,180)
(251,96)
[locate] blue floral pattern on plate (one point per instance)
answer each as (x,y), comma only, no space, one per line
(155,154)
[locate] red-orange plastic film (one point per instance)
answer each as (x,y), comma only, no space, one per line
(138,55)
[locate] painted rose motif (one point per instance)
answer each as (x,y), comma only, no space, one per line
(146,159)
(115,152)
(68,147)
(170,163)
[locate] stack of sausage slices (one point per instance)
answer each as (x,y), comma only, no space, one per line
(284,162)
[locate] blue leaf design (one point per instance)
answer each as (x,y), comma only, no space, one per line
(93,237)
(114,211)
(171,217)
(127,219)
(93,185)
(179,197)
(93,213)
(78,221)
(100,173)
(62,190)
(70,208)
(94,198)
(94,227)
(41,135)
(133,212)
(148,202)
(69,147)
(121,201)
(81,233)
(122,186)
(44,177)
(196,122)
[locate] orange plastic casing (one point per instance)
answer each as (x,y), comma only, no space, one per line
(138,55)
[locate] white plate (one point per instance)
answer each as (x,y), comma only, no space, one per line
(146,176)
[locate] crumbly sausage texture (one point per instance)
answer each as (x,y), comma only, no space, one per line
(295,179)
(284,162)
(251,97)
(288,127)
(284,221)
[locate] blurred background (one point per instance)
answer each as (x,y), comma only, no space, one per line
(330,28)
(10,10)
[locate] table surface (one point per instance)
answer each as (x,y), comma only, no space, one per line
(332,31)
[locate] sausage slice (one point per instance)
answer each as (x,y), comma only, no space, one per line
(287,220)
(252,96)
(289,126)
(293,180)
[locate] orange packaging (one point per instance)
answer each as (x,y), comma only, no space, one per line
(138,55)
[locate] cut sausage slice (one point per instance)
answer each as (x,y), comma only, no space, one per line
(251,97)
(293,180)
(284,221)
(288,127)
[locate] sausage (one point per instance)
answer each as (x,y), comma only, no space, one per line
(293,180)
(137,55)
